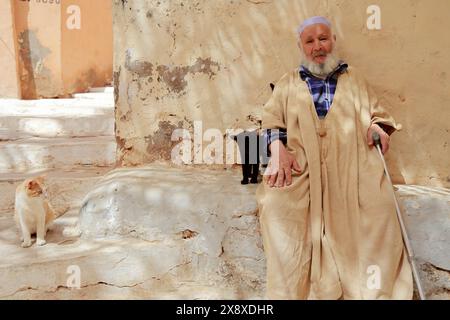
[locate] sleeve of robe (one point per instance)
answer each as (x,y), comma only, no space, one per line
(273,115)
(379,114)
(274,111)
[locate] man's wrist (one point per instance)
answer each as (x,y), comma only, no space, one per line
(277,143)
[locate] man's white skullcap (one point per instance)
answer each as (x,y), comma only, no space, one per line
(313,20)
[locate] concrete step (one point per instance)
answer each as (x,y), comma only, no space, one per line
(66,188)
(107,269)
(43,153)
(55,118)
(97,95)
(106,101)
(102,89)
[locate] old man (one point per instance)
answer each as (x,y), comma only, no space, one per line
(327,214)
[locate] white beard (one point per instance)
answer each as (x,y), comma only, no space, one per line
(321,70)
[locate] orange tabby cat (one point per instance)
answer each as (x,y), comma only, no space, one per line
(33,213)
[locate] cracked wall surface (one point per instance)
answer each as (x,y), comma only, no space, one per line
(181,61)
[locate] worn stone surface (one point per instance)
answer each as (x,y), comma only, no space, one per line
(427,217)
(36,135)
(194,252)
(66,188)
(209,217)
(218,217)
(164,233)
(42,153)
(212,61)
(48,118)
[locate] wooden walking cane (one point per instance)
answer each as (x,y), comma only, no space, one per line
(411,258)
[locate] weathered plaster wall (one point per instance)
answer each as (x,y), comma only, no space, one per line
(9,85)
(87,52)
(181,61)
(55,58)
(39,48)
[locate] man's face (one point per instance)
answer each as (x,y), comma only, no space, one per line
(317,42)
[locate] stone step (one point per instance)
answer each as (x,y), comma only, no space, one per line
(97,95)
(223,261)
(220,216)
(43,153)
(102,89)
(19,127)
(55,118)
(108,269)
(66,188)
(106,101)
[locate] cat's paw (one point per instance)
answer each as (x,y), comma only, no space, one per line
(26,244)
(40,242)
(244,181)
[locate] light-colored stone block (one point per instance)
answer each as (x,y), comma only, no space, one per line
(42,153)
(49,118)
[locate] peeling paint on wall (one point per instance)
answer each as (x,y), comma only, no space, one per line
(124,147)
(116,80)
(159,144)
(86,79)
(55,60)
(124,2)
(140,68)
(32,56)
(174,77)
(212,61)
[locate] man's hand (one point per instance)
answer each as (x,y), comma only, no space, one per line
(279,171)
(384,137)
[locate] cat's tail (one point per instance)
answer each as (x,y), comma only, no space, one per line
(50,214)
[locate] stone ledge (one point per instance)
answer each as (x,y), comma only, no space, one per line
(164,204)
(183,233)
(42,153)
(66,188)
(207,214)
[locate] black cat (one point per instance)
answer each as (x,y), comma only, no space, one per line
(252,155)
(248,143)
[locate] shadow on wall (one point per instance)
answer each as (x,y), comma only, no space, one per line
(63,47)
(216,82)
(248,46)
(26,65)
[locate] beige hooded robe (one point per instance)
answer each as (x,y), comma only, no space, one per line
(333,233)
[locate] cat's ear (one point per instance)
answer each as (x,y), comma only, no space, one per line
(272,86)
(32,184)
